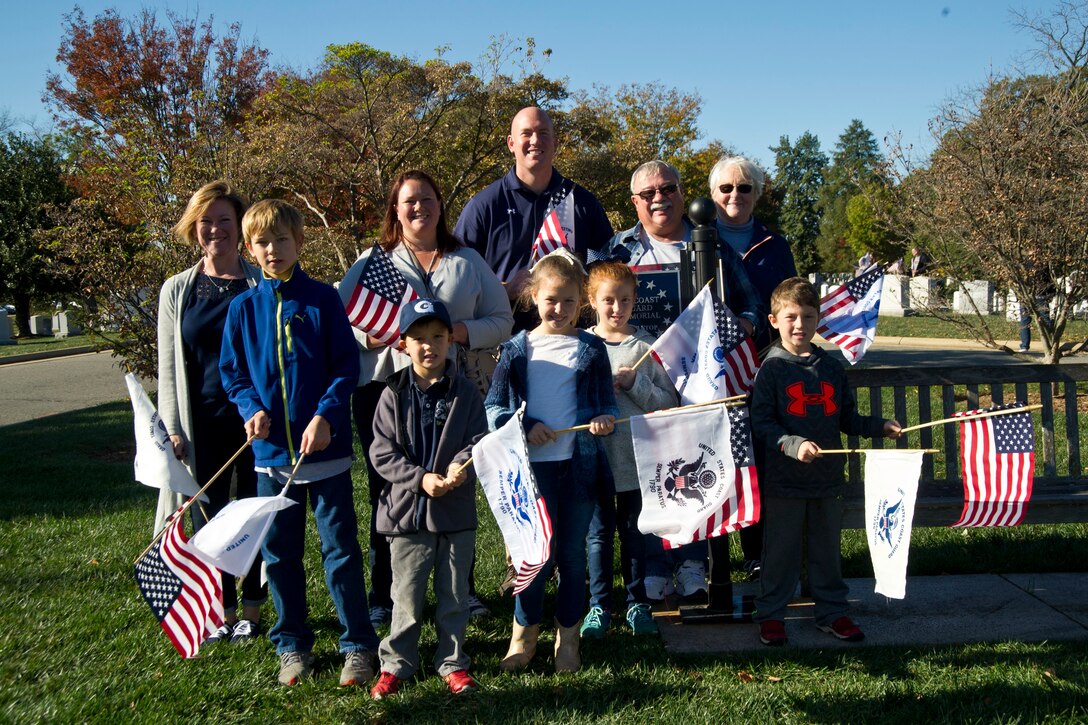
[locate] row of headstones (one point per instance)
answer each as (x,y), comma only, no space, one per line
(40,325)
(902,295)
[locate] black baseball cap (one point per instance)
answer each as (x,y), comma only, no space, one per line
(423,309)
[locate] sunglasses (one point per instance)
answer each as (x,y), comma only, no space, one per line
(666,190)
(742,188)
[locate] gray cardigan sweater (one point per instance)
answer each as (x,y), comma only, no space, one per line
(173,399)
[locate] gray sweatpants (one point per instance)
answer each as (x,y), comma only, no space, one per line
(415,556)
(785,522)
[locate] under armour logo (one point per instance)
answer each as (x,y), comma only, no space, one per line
(511,211)
(800,400)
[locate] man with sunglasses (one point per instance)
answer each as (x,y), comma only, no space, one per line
(663,230)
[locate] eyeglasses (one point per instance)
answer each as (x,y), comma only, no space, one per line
(666,190)
(742,188)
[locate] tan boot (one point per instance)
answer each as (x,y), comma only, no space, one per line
(567,641)
(522,647)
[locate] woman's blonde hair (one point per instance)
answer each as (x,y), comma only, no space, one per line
(204,197)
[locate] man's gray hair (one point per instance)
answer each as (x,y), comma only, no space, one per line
(653,167)
(748,169)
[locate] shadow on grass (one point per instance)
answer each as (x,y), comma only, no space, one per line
(67,464)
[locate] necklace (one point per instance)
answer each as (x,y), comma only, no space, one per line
(416,251)
(224,289)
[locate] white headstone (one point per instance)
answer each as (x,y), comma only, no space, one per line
(5,329)
(41,325)
(62,327)
(895,295)
(975,294)
(923,293)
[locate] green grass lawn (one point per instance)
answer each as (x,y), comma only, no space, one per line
(930,326)
(25,345)
(79,644)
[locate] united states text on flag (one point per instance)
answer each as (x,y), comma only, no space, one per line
(706,352)
(891,489)
(557,230)
(687,472)
(848,314)
(741,506)
(997,454)
(231,540)
(374,305)
(184,593)
(155,463)
(501,459)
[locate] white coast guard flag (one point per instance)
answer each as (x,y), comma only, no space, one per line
(155,463)
(231,540)
(502,466)
(891,488)
(685,468)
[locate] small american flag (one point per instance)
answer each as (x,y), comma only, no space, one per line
(998,459)
(848,314)
(557,230)
(706,352)
(375,302)
(742,508)
(184,593)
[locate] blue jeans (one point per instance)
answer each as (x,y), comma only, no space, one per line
(1042,308)
(334,515)
(609,515)
(664,563)
(570,514)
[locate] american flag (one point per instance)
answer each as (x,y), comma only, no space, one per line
(998,459)
(184,593)
(706,352)
(742,508)
(848,314)
(558,228)
(375,302)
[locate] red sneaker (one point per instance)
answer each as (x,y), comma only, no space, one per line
(460,681)
(772,632)
(387,684)
(845,629)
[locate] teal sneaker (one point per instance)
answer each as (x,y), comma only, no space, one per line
(640,619)
(596,623)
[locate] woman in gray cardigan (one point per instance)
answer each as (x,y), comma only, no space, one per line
(438,266)
(204,426)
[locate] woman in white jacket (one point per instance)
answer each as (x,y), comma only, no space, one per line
(204,426)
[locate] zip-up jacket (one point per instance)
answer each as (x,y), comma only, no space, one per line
(288,350)
(403,507)
(797,398)
(768,261)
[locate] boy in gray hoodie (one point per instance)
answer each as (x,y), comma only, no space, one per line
(801,403)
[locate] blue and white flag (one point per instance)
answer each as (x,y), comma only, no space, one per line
(848,314)
(155,463)
(891,488)
(502,465)
(231,540)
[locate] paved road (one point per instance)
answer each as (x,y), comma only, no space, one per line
(34,390)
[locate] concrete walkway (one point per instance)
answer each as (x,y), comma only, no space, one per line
(938,610)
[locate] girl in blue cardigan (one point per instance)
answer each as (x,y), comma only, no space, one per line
(563,376)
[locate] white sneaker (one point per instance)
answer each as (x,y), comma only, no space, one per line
(658,587)
(691,578)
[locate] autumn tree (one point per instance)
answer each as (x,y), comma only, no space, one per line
(31,181)
(1005,193)
(854,162)
(150,107)
(333,140)
(798,181)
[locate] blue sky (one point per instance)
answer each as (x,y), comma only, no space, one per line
(763,69)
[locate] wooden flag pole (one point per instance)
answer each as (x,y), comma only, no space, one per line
(988,414)
(192,500)
(651,350)
(735,401)
(868,450)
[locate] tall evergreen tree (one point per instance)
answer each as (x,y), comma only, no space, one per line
(798,180)
(853,164)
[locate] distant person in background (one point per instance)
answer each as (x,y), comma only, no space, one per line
(919,262)
(864,263)
(203,424)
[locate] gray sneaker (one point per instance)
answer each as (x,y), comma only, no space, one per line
(358,669)
(245,630)
(295,667)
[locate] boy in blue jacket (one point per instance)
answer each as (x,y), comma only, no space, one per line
(289,363)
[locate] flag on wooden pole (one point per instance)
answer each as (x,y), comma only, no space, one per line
(184,593)
(232,539)
(998,459)
(557,230)
(891,489)
(849,313)
(375,303)
(155,464)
